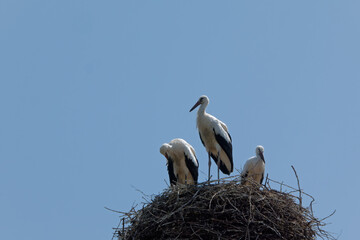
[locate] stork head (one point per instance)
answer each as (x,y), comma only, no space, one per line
(260,152)
(164,149)
(203,100)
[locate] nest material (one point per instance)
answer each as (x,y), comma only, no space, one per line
(222,211)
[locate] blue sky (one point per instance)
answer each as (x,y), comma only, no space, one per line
(90,90)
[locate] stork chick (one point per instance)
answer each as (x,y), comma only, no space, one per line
(254,168)
(182,163)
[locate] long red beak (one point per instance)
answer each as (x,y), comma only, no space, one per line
(196,104)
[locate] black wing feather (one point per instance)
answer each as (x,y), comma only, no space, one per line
(227,147)
(262,178)
(172,176)
(229,136)
(192,168)
(223,167)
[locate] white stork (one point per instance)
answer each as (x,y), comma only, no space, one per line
(254,167)
(181,161)
(215,137)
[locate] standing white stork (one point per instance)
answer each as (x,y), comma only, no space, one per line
(181,161)
(254,167)
(215,137)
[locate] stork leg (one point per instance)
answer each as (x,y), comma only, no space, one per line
(218,165)
(209,168)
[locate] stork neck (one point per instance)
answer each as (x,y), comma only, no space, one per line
(202,108)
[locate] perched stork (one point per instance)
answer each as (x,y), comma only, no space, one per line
(181,161)
(254,167)
(215,137)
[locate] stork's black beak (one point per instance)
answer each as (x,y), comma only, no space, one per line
(196,104)
(262,156)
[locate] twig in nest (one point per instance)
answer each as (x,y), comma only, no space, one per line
(298,182)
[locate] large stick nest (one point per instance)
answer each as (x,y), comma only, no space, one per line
(222,211)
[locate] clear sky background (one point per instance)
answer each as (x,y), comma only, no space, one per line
(89,90)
